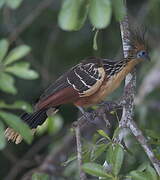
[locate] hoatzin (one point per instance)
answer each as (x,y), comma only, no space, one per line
(85,84)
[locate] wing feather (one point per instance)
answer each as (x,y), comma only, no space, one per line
(113,67)
(82,80)
(86,78)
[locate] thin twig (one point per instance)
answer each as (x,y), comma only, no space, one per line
(29,19)
(143,142)
(79,152)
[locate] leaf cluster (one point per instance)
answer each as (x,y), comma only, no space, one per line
(74,13)
(10,67)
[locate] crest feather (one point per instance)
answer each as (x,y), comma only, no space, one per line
(137,38)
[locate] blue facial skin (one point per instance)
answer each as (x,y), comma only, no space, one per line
(143,55)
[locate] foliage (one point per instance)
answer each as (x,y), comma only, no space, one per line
(9,67)
(73,13)
(53,51)
(13,4)
(52,125)
(114,156)
(40,176)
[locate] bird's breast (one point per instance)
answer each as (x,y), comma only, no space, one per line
(107,87)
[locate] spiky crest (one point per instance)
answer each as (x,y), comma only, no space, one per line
(137,41)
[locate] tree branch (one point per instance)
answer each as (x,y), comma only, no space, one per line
(79,152)
(143,142)
(127,115)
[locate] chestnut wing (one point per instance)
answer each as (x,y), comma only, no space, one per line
(82,80)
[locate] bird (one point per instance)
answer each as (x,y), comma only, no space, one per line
(85,84)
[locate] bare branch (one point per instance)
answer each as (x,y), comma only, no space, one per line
(29,19)
(79,152)
(127,116)
(143,142)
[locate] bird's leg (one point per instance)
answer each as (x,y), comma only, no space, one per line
(106,120)
(92,117)
(109,105)
(101,114)
(87,115)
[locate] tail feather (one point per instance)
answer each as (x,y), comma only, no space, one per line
(14,136)
(35,119)
(32,120)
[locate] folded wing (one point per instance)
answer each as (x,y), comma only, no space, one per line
(82,80)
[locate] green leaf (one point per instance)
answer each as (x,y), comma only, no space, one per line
(18,125)
(7,83)
(115,156)
(119,9)
(43,128)
(109,154)
(100,13)
(87,153)
(2,3)
(40,176)
(101,148)
(16,54)
(2,137)
(143,166)
(102,133)
(21,70)
(3,46)
(151,173)
(52,124)
(73,14)
(69,171)
(55,123)
(144,171)
(137,175)
(152,134)
(13,4)
(116,132)
(69,160)
(17,105)
(95,169)
(118,156)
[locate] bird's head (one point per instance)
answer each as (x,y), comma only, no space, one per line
(139,50)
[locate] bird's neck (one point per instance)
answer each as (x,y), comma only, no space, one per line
(130,64)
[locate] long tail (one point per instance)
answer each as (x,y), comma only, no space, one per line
(33,120)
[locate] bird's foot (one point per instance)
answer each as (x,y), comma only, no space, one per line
(86,117)
(89,116)
(108,105)
(94,117)
(101,115)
